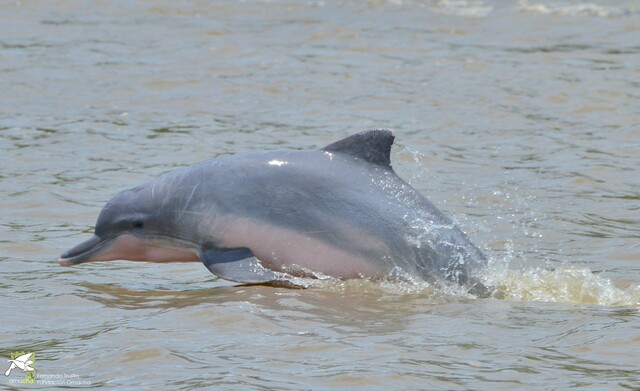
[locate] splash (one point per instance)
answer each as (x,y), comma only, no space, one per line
(565,284)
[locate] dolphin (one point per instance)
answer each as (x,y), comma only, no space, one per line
(259,217)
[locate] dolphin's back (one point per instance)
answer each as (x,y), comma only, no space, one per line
(339,200)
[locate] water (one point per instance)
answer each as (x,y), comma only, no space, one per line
(519,119)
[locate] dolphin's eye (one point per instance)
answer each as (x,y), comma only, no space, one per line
(137,224)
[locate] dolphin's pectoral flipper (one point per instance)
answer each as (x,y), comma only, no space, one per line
(237,264)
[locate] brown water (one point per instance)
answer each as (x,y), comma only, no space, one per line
(520,119)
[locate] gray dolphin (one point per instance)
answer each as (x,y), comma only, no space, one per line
(340,211)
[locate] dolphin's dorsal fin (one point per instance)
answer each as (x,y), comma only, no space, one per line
(373,146)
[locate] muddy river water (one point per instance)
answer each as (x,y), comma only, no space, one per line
(519,119)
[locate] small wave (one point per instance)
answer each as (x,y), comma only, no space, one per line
(473,9)
(574,9)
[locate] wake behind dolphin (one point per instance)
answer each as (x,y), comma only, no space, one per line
(259,217)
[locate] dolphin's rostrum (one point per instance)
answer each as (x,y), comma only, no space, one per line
(255,217)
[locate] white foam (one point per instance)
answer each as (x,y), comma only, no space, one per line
(566,9)
(473,9)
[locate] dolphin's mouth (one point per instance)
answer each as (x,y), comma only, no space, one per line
(84,251)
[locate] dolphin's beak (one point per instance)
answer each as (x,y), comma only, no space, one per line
(85,251)
(128,247)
